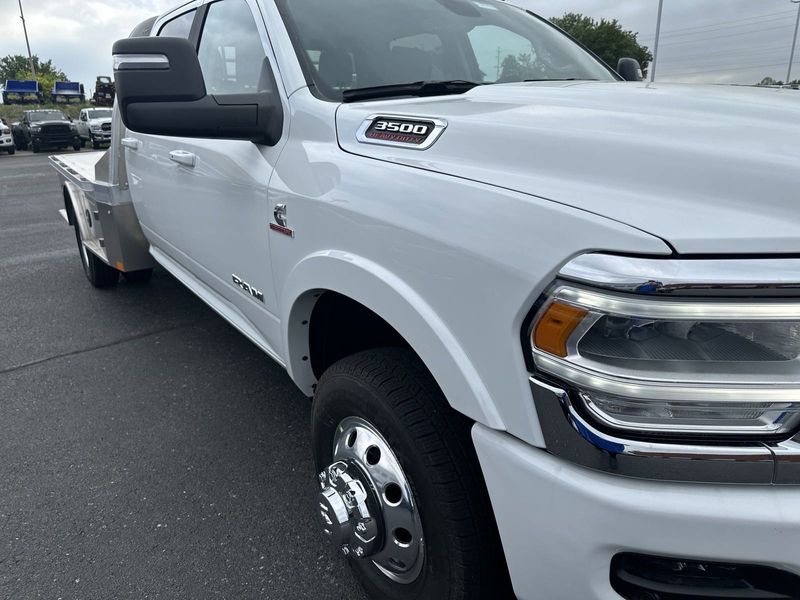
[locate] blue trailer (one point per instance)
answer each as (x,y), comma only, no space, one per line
(67,91)
(22,92)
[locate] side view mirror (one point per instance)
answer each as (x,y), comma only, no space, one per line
(630,69)
(161,91)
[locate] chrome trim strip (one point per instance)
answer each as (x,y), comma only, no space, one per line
(152,62)
(568,435)
(438,128)
(787,461)
(678,310)
(673,392)
(658,276)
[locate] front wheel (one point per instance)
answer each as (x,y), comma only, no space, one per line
(77,146)
(402,494)
(12,150)
(36,147)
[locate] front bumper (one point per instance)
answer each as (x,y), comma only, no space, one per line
(6,142)
(562,524)
(57,140)
(100,136)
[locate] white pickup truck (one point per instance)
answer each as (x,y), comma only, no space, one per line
(94,125)
(549,319)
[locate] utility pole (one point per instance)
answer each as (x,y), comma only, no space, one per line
(658,36)
(27,43)
(794,42)
(498,62)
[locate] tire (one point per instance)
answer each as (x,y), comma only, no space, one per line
(12,151)
(142,276)
(95,145)
(36,147)
(77,146)
(99,274)
(391,390)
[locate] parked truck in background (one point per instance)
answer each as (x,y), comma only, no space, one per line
(41,129)
(103,91)
(6,139)
(94,125)
(549,318)
(67,91)
(22,92)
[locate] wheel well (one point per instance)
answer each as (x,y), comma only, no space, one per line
(339,326)
(68,206)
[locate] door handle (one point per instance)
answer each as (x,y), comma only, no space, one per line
(131,143)
(183,158)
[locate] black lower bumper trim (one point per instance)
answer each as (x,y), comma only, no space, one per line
(644,577)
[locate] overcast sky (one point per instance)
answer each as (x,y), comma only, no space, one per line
(717,41)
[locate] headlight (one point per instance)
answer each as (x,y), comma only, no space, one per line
(666,365)
(36,128)
(96,128)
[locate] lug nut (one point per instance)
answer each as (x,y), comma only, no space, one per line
(346,550)
(359,551)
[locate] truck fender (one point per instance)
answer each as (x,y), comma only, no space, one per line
(76,205)
(391,298)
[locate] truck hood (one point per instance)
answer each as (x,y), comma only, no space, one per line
(56,122)
(709,169)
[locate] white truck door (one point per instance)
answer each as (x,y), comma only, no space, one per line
(203,202)
(83,124)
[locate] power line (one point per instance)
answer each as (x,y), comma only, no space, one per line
(724,24)
(705,39)
(733,68)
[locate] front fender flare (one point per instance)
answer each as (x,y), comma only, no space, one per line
(398,304)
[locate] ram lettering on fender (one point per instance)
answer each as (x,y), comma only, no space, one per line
(416,133)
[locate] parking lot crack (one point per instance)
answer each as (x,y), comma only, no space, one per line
(125,340)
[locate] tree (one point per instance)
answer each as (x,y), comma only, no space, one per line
(519,68)
(769,81)
(16,66)
(605,38)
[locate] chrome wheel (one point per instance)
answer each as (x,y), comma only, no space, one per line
(366,504)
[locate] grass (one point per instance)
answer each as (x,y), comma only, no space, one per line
(13,112)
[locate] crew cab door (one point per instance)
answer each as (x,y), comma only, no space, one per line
(83,124)
(203,202)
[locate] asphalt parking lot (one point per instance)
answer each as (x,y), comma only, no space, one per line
(147,449)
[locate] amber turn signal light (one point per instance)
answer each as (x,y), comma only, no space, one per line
(556,326)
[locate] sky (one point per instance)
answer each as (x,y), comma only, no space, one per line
(706,41)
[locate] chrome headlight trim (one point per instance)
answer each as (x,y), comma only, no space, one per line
(678,310)
(627,384)
(686,277)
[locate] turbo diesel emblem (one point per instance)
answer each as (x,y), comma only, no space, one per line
(404,132)
(246,287)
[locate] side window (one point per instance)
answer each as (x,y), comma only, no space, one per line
(231,50)
(503,55)
(179,26)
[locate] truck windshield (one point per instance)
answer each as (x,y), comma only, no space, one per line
(355,44)
(100,113)
(46,115)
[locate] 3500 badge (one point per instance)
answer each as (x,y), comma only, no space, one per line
(419,134)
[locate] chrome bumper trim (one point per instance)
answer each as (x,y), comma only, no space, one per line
(569,436)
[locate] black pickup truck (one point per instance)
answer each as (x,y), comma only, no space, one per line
(45,129)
